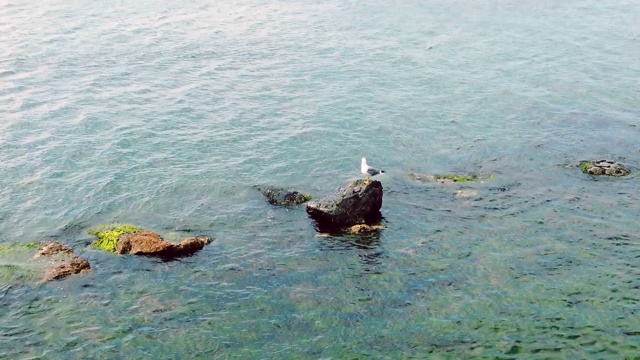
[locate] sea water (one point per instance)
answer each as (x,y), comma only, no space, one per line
(171,115)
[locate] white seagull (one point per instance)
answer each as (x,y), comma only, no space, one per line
(368,170)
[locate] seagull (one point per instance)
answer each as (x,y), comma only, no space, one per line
(368,170)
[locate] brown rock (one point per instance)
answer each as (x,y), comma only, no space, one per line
(365,229)
(142,243)
(604,167)
(62,261)
(152,244)
(53,248)
(190,245)
(62,269)
(594,170)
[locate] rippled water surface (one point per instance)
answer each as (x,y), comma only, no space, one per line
(169,115)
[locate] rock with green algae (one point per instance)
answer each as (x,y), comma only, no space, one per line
(283,197)
(109,234)
(129,239)
(449,178)
(604,167)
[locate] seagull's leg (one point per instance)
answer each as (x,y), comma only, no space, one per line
(367,181)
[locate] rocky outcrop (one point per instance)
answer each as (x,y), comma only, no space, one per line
(448,179)
(356,203)
(62,262)
(149,243)
(283,197)
(129,239)
(604,167)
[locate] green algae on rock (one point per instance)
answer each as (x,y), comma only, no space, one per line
(604,167)
(109,234)
(449,178)
(129,239)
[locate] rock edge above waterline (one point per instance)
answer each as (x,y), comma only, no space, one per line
(604,167)
(129,239)
(62,261)
(350,206)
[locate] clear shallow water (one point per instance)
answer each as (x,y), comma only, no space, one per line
(168,116)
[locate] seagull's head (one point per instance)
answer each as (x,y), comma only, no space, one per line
(364,161)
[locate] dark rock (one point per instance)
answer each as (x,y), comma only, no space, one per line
(349,206)
(62,262)
(604,167)
(149,243)
(283,197)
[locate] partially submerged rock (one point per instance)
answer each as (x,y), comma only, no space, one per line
(72,266)
(62,262)
(365,229)
(352,205)
(449,178)
(283,197)
(149,243)
(604,167)
(128,239)
(466,194)
(109,234)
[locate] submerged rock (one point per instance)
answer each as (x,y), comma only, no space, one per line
(604,167)
(466,194)
(128,239)
(349,206)
(72,266)
(365,229)
(62,262)
(283,197)
(448,179)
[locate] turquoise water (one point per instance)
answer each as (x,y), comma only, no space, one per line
(169,116)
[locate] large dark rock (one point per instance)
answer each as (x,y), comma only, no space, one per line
(352,205)
(62,262)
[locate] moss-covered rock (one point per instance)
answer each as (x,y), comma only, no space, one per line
(283,197)
(604,167)
(109,234)
(449,178)
(130,239)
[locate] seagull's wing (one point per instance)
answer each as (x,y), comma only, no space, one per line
(373,172)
